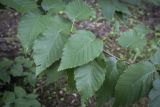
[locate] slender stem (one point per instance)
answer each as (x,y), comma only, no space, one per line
(72,26)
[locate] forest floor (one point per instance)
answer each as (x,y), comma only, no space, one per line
(57,95)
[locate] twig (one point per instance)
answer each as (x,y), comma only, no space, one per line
(110,54)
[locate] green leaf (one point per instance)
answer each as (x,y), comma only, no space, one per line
(154,95)
(48,48)
(30,27)
(20,60)
(31,96)
(7,105)
(109,7)
(121,66)
(155,59)
(27,101)
(32,100)
(8,97)
(4,76)
(134,39)
(81,48)
(5,64)
(71,80)
(89,79)
(22,6)
(106,92)
(34,103)
(134,83)
(28,63)
(122,7)
(30,79)
(53,74)
(53,6)
(17,70)
(19,92)
(79,10)
(21,102)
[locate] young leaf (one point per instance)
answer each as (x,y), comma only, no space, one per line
(134,83)
(22,6)
(80,49)
(89,79)
(30,27)
(134,39)
(48,48)
(79,10)
(53,6)
(154,95)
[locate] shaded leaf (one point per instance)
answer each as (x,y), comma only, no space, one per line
(134,83)
(20,60)
(8,97)
(5,77)
(121,66)
(5,64)
(71,80)
(53,74)
(106,92)
(27,101)
(19,92)
(28,63)
(17,70)
(21,102)
(107,7)
(31,79)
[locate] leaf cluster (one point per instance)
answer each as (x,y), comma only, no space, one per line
(15,74)
(59,48)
